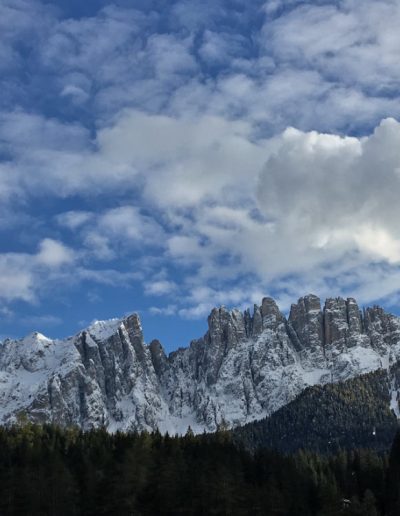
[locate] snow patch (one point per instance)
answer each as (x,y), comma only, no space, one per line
(102,330)
(394,404)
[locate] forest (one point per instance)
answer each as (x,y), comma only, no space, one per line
(46,470)
(327,418)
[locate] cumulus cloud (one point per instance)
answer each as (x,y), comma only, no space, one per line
(319,199)
(164,155)
(22,275)
(241,150)
(335,191)
(53,254)
(16,278)
(328,222)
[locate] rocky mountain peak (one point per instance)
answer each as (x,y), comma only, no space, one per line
(245,367)
(306,319)
(271,315)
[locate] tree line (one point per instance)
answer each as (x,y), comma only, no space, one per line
(46,470)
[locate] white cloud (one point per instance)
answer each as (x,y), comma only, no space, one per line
(198,311)
(30,276)
(127,223)
(167,311)
(168,156)
(378,242)
(112,233)
(326,193)
(354,42)
(98,245)
(74,219)
(159,287)
(53,254)
(16,278)
(219,47)
(317,200)
(175,154)
(117,231)
(110,277)
(22,275)
(329,223)
(77,94)
(202,127)
(22,132)
(196,167)
(19,20)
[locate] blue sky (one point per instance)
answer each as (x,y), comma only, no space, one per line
(167,157)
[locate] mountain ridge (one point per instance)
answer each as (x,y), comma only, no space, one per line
(243,369)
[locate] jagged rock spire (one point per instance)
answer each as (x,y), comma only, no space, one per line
(245,367)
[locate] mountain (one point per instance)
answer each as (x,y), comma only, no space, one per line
(353,414)
(246,367)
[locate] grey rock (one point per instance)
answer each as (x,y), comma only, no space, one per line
(257,325)
(244,368)
(306,319)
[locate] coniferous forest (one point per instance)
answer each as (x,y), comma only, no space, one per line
(45,470)
(326,418)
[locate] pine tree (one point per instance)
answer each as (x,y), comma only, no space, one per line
(393,479)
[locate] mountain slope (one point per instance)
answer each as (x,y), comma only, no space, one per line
(351,414)
(244,368)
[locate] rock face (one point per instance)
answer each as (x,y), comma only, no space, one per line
(244,368)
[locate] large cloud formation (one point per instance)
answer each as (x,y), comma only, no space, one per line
(210,153)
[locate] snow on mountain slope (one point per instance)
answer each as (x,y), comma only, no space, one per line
(244,368)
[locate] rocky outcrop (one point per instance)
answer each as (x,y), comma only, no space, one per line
(245,367)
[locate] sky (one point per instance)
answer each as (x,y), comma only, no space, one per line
(168,157)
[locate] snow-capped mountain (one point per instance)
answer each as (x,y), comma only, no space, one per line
(245,367)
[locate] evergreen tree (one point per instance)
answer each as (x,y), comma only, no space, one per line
(393,479)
